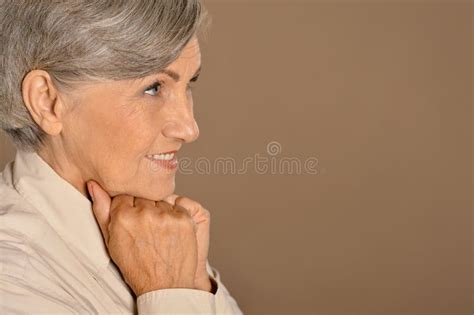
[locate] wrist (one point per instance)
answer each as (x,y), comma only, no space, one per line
(207,284)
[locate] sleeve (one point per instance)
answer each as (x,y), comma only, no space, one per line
(225,303)
(189,301)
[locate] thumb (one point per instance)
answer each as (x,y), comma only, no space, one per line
(101,207)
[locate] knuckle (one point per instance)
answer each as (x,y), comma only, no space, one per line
(198,205)
(163,206)
(186,223)
(121,219)
(140,208)
(148,214)
(180,212)
(181,221)
(119,209)
(163,214)
(206,213)
(189,202)
(165,219)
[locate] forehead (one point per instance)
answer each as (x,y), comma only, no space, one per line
(191,53)
(187,63)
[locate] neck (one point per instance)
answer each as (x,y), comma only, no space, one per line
(65,166)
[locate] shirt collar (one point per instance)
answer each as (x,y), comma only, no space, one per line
(64,207)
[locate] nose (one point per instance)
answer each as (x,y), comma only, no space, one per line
(181,124)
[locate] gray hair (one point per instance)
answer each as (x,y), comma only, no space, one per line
(85,40)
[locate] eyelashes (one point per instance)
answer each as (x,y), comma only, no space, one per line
(194,79)
(191,83)
(155,88)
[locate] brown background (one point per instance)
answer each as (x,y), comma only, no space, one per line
(381,94)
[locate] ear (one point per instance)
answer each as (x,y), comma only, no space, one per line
(41,98)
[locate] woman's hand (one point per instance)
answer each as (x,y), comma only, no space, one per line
(202,218)
(155,244)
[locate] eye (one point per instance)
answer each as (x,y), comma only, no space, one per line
(153,89)
(192,81)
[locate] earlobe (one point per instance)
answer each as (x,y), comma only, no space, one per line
(40,98)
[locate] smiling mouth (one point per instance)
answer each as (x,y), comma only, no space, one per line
(162,156)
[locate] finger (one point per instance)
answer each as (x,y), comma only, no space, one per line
(144,203)
(163,206)
(173,210)
(180,209)
(121,200)
(192,206)
(195,209)
(100,207)
(171,199)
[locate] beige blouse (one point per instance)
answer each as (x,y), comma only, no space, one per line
(53,259)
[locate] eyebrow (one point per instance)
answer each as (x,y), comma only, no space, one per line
(175,76)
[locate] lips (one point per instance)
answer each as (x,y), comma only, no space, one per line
(165,156)
(171,164)
(165,160)
(168,152)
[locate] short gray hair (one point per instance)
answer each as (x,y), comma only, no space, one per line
(85,40)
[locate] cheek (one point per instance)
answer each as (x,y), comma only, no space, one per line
(125,168)
(113,140)
(127,139)
(124,139)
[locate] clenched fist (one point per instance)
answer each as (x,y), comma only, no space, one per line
(156,245)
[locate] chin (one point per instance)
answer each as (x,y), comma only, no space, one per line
(154,189)
(161,191)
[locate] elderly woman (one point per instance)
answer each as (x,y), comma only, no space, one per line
(96,95)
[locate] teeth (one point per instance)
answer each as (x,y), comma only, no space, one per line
(166,157)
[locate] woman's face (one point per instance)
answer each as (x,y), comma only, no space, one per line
(116,130)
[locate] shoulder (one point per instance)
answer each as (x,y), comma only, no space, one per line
(21,225)
(19,219)
(25,240)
